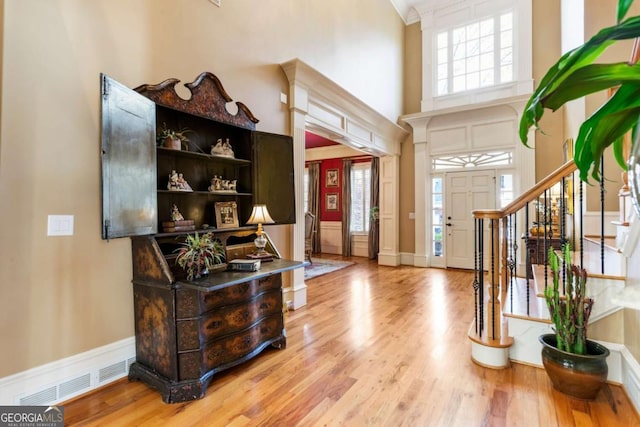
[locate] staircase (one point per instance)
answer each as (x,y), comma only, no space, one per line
(511,272)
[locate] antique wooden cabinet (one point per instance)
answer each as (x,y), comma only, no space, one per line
(186,331)
(135,172)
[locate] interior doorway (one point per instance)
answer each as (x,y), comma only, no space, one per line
(464,192)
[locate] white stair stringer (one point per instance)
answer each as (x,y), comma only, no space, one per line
(604,291)
(525,332)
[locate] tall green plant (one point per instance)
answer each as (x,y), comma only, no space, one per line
(576,75)
(569,311)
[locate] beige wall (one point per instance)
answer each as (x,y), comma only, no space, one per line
(600,14)
(412,98)
(65,295)
(546,51)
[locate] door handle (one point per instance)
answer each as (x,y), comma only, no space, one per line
(448,224)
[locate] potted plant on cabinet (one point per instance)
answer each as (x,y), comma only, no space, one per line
(576,366)
(575,75)
(200,254)
(173,139)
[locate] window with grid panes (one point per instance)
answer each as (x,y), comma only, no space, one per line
(360,197)
(475,55)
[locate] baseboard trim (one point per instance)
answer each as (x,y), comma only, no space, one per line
(630,372)
(67,378)
(392,260)
(296,296)
(406,258)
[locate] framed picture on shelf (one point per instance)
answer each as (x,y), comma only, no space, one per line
(332,178)
(226,214)
(332,202)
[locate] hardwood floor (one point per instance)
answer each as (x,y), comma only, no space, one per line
(375,346)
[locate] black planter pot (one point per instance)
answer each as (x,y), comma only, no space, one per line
(580,376)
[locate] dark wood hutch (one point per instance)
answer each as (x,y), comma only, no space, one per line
(186,331)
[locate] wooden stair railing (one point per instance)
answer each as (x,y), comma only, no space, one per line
(501,243)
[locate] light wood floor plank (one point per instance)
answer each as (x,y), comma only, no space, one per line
(375,346)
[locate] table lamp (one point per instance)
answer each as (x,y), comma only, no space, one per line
(260,215)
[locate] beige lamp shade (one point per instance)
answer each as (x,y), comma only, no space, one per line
(260,215)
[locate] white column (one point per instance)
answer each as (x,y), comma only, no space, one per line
(426,25)
(422,189)
(422,198)
(389,253)
(297,293)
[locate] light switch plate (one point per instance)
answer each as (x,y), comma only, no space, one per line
(60,225)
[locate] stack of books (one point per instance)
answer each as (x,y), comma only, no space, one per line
(243,265)
(183,225)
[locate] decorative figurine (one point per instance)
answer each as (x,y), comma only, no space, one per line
(184,185)
(222,148)
(177,182)
(175,214)
(219,185)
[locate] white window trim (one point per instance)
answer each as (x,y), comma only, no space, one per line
(496,50)
(362,166)
(438,16)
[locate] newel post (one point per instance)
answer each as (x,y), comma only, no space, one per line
(493,286)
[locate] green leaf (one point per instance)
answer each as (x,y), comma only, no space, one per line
(590,79)
(623,8)
(609,123)
(574,76)
(618,152)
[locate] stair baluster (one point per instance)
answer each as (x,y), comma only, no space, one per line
(602,215)
(489,330)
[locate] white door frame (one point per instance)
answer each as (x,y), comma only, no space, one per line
(470,123)
(320,105)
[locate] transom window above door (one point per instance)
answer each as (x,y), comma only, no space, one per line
(472,160)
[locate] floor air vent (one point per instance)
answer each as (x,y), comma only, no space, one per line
(111,371)
(74,386)
(40,398)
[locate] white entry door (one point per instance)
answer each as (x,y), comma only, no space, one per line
(464,192)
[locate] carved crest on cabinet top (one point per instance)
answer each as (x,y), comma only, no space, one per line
(208,99)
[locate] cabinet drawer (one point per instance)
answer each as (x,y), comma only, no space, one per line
(191,303)
(225,320)
(231,349)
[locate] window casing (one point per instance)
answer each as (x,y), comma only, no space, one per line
(476,55)
(360,197)
(306,190)
(506,189)
(436,216)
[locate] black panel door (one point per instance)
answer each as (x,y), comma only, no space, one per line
(129,187)
(273,175)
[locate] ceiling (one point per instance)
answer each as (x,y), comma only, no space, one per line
(314,141)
